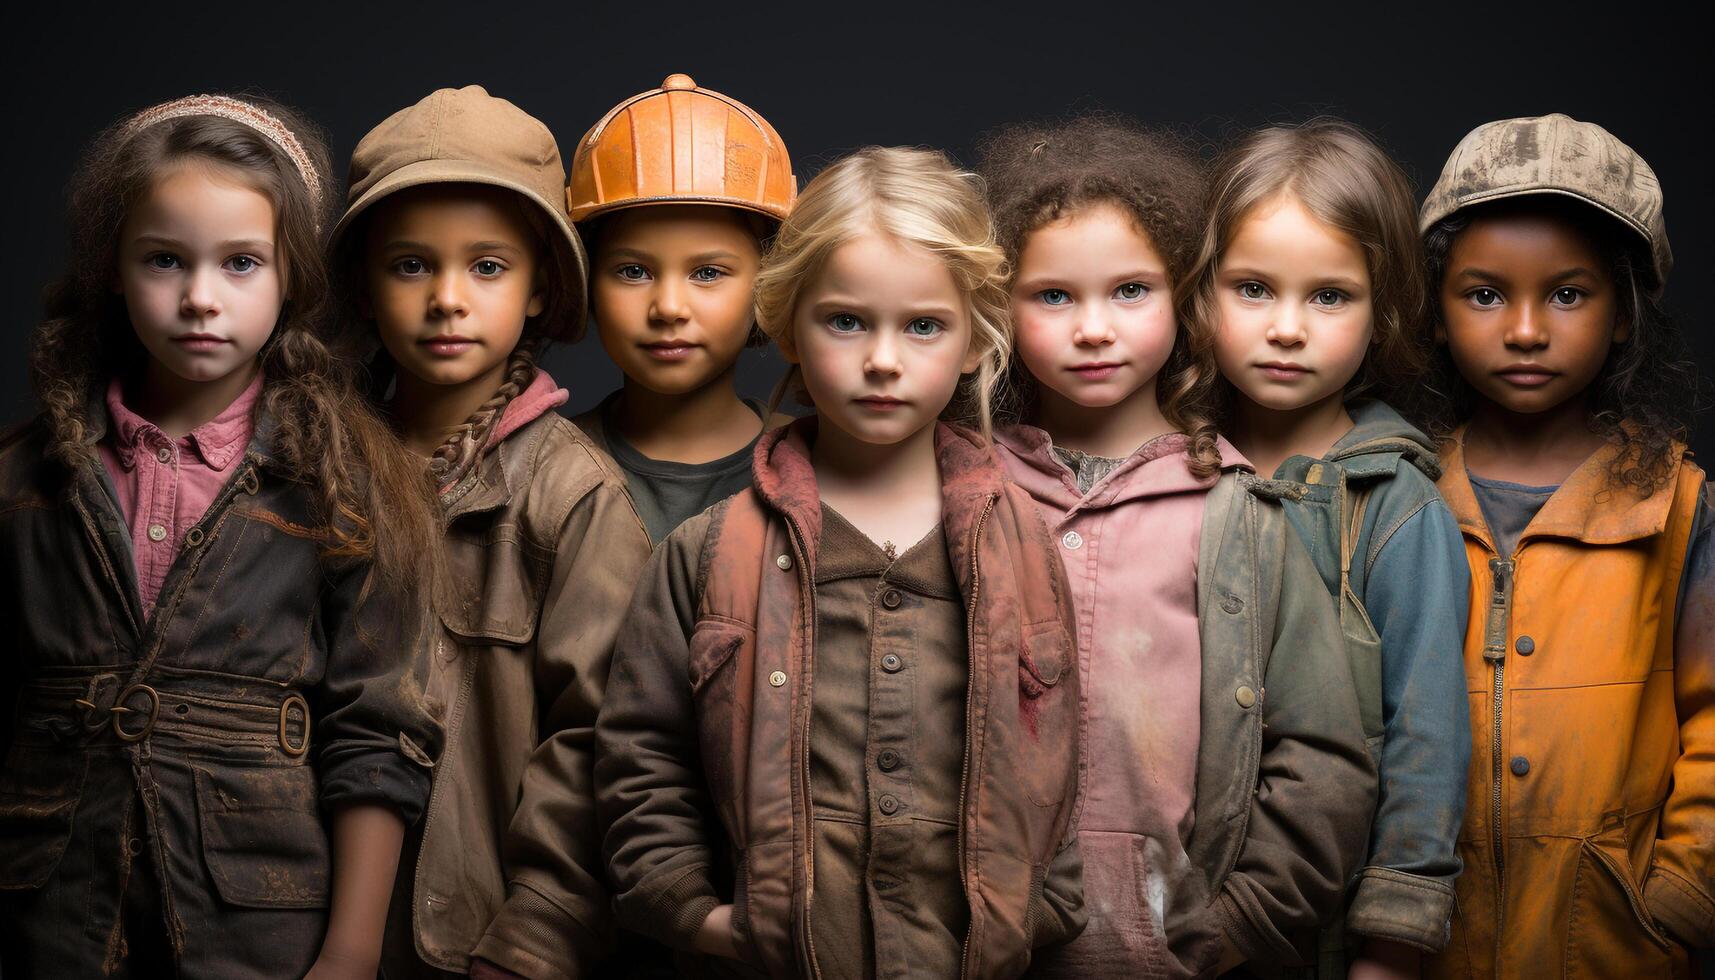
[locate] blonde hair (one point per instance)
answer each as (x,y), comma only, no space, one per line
(914,196)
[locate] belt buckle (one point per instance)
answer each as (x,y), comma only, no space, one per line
(119,711)
(286,745)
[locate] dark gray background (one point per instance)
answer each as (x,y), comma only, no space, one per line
(836,75)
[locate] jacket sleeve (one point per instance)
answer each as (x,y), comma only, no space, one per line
(1316,786)
(1416,595)
(1682,871)
(376,738)
(649,784)
(555,920)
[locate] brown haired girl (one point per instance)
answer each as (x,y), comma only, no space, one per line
(1308,279)
(210,540)
(1182,574)
(464,267)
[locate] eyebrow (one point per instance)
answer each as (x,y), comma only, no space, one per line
(1572,273)
(487,246)
(255,244)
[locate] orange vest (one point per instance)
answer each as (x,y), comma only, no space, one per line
(1575,730)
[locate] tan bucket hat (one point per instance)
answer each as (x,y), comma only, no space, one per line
(466,136)
(681,144)
(1554,154)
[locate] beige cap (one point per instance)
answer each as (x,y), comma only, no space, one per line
(1553,154)
(466,136)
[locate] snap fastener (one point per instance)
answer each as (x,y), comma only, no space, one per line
(157,533)
(891,663)
(1520,765)
(1525,646)
(891,599)
(164,454)
(889,804)
(193,537)
(785,563)
(1245,695)
(1232,604)
(777,679)
(888,760)
(134,846)
(1072,540)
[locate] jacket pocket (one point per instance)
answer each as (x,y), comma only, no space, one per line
(722,701)
(1048,708)
(1046,657)
(496,595)
(1364,655)
(39,793)
(1124,926)
(262,836)
(1609,931)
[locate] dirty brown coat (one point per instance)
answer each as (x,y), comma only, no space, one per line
(207,739)
(704,737)
(542,552)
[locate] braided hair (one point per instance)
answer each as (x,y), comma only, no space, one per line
(453,459)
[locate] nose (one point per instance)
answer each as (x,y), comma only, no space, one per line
(667,302)
(882,355)
(1093,330)
(201,299)
(1527,329)
(448,299)
(1286,329)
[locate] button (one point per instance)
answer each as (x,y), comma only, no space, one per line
(157,533)
(1525,646)
(1246,696)
(888,803)
(891,599)
(164,454)
(1232,604)
(891,663)
(193,537)
(1521,765)
(134,846)
(1072,540)
(888,760)
(785,562)
(777,679)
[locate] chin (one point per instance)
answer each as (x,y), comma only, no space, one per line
(878,434)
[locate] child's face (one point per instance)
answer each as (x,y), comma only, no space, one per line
(882,335)
(201,272)
(1293,295)
(1528,310)
(1093,307)
(672,293)
(452,272)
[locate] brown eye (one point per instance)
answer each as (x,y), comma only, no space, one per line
(1484,297)
(1568,296)
(1253,290)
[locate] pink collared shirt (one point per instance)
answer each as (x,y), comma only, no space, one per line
(165,485)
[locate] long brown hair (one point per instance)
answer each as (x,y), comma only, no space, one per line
(1038,174)
(374,501)
(1345,181)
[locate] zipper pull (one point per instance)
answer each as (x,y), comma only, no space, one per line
(1500,605)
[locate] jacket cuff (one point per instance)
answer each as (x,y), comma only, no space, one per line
(1247,926)
(1402,907)
(534,937)
(675,913)
(1680,908)
(385,778)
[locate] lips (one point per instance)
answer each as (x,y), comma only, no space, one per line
(448,344)
(200,342)
(881,403)
(1096,370)
(670,349)
(1526,375)
(1283,370)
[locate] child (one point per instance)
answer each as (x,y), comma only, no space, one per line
(1589,842)
(1216,821)
(1309,281)
(923,795)
(209,546)
(676,225)
(466,268)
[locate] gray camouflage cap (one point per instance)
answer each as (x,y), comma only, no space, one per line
(1553,154)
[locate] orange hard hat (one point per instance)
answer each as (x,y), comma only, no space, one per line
(680,144)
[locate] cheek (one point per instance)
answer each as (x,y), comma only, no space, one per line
(1150,331)
(726,313)
(398,308)
(1040,339)
(152,302)
(1236,330)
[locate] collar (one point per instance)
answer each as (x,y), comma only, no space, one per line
(1587,507)
(217,442)
(1157,468)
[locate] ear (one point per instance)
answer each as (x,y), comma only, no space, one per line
(1622,327)
(973,359)
(538,301)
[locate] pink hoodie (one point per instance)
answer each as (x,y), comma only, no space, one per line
(1130,551)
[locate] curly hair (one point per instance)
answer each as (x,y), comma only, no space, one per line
(1344,180)
(1039,173)
(373,500)
(915,196)
(1648,389)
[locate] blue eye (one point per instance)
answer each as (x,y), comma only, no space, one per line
(1327,297)
(1132,291)
(924,327)
(1054,297)
(707,273)
(1252,289)
(162,261)
(632,272)
(242,264)
(844,323)
(488,268)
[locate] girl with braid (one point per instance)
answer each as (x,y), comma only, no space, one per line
(463,265)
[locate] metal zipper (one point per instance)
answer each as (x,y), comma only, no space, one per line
(970,695)
(1495,652)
